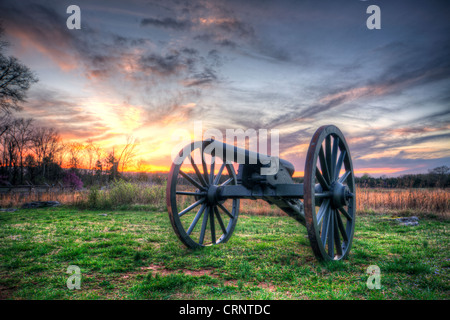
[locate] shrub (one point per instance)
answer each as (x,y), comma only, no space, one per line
(124,195)
(71,180)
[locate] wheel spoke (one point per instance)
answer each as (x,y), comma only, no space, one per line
(219,174)
(219,219)
(192,206)
(205,168)
(204,224)
(334,157)
(322,210)
(229,168)
(331,234)
(227,182)
(323,165)
(192,181)
(326,220)
(341,227)
(197,171)
(321,180)
(187,193)
(337,239)
(345,213)
(344,176)
(339,164)
(197,217)
(211,173)
(328,157)
(213,227)
(225,210)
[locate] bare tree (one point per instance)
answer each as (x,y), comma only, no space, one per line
(45,143)
(62,154)
(15,80)
(91,151)
(22,137)
(9,153)
(5,122)
(75,150)
(128,152)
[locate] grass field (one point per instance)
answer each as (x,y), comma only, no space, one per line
(136,255)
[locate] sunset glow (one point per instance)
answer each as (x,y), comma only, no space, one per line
(149,70)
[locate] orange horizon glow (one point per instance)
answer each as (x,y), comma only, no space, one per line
(297,174)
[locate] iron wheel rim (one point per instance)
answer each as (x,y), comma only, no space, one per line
(331,227)
(215,220)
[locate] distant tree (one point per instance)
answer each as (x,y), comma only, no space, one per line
(98,171)
(22,138)
(75,150)
(441,175)
(443,170)
(31,167)
(45,144)
(128,153)
(113,165)
(89,149)
(365,176)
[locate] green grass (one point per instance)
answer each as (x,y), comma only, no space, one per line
(136,255)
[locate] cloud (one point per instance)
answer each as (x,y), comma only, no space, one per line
(206,76)
(60,110)
(40,27)
(131,68)
(168,64)
(229,25)
(168,23)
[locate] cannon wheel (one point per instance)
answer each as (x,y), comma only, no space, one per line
(331,227)
(197,218)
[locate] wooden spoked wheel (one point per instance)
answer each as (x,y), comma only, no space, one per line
(329,194)
(198,218)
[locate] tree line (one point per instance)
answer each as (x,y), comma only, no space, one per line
(34,154)
(438,177)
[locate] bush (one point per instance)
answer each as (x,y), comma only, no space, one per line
(71,180)
(124,195)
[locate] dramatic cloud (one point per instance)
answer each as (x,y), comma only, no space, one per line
(149,68)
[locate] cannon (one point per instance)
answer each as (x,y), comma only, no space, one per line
(203,191)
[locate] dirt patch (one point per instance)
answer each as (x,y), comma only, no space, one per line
(199,273)
(163,271)
(267,286)
(6,292)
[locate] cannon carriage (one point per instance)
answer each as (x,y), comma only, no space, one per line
(208,178)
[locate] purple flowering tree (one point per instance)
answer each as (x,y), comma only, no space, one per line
(71,180)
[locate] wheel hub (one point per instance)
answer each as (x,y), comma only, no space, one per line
(212,195)
(340,194)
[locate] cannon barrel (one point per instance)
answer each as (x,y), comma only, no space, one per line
(269,164)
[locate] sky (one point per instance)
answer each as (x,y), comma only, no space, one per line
(150,68)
